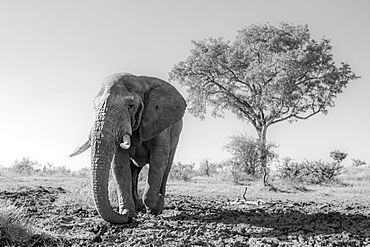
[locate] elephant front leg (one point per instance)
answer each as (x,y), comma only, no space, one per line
(122,175)
(135,171)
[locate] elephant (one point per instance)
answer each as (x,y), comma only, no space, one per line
(138,121)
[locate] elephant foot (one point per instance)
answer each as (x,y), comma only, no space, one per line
(139,206)
(129,212)
(157,209)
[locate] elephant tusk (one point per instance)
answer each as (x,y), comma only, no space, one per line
(81,149)
(126,142)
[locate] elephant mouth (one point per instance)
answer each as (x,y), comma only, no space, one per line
(126,142)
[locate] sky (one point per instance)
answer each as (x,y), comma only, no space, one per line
(54,55)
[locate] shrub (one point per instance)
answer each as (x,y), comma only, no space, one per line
(358,162)
(239,176)
(337,155)
(183,172)
(309,172)
(290,170)
(207,168)
(7,172)
(62,170)
(322,172)
(84,172)
(26,166)
(245,151)
(50,169)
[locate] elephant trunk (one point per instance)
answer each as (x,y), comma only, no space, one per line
(103,148)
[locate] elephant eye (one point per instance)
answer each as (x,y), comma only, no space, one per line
(130,106)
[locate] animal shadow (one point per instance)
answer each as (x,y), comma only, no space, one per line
(276,219)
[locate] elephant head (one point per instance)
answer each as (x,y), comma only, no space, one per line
(129,110)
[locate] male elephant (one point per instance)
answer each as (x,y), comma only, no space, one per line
(138,120)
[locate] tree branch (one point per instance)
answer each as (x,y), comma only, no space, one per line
(242,102)
(297,116)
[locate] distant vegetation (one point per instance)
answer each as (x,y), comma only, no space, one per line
(243,166)
(180,171)
(309,172)
(27,167)
(312,172)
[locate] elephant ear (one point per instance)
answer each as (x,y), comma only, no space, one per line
(164,106)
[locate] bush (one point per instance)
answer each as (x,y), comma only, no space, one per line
(207,168)
(183,172)
(309,172)
(290,170)
(245,151)
(84,172)
(50,169)
(239,176)
(358,162)
(26,166)
(323,172)
(338,156)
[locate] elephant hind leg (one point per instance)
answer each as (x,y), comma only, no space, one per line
(162,155)
(158,206)
(162,191)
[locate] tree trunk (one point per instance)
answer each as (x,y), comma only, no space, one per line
(263,152)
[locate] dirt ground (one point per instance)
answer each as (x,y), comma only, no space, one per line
(197,213)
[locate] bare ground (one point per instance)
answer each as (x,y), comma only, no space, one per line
(199,213)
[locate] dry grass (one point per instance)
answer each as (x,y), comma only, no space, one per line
(356,175)
(14,227)
(18,229)
(80,194)
(355,184)
(13,224)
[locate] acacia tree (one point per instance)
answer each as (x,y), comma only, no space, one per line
(267,75)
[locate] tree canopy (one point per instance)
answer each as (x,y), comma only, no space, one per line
(267,75)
